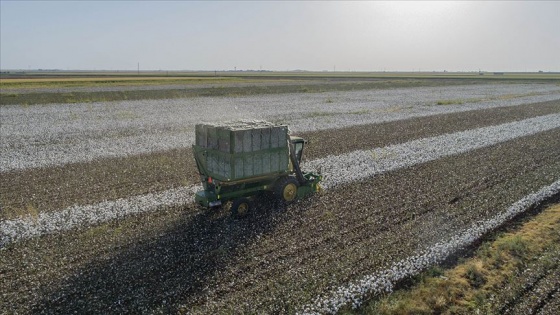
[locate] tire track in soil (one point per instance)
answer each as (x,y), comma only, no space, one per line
(553,304)
(551,287)
(53,188)
(535,289)
(536,297)
(277,260)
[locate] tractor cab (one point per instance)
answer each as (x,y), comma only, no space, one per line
(297,145)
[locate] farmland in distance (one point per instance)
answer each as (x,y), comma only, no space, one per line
(98,176)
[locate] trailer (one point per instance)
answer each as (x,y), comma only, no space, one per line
(241,161)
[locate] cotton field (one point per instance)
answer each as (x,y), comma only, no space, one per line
(98,213)
(58,134)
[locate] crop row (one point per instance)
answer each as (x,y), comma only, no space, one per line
(155,252)
(58,134)
(54,188)
(88,215)
(362,164)
(384,281)
(341,169)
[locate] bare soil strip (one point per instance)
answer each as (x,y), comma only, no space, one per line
(47,189)
(275,261)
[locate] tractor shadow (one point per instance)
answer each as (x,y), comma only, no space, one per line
(157,275)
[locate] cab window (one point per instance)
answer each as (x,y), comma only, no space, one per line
(298,150)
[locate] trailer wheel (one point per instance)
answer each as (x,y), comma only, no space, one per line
(240,207)
(286,189)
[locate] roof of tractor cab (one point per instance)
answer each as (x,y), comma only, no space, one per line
(294,139)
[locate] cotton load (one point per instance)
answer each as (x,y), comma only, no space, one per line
(243,149)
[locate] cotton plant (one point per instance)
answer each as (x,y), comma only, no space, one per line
(58,134)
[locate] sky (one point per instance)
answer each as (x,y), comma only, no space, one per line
(281,35)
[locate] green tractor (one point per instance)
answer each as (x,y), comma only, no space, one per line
(239,161)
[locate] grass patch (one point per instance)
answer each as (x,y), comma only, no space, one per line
(450,102)
(513,96)
(8,95)
(475,276)
(468,287)
(104,229)
(28,210)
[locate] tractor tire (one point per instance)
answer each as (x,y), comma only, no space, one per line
(286,189)
(240,207)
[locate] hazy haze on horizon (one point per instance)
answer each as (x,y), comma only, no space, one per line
(346,36)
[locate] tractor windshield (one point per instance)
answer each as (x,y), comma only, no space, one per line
(298,146)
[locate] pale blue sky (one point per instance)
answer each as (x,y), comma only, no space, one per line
(355,36)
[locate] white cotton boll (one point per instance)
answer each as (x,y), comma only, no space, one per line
(69,133)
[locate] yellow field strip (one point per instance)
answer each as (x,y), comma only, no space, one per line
(102,79)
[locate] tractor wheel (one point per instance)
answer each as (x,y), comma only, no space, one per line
(286,189)
(240,207)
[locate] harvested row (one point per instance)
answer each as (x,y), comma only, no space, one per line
(361,164)
(274,260)
(54,188)
(384,281)
(350,167)
(59,134)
